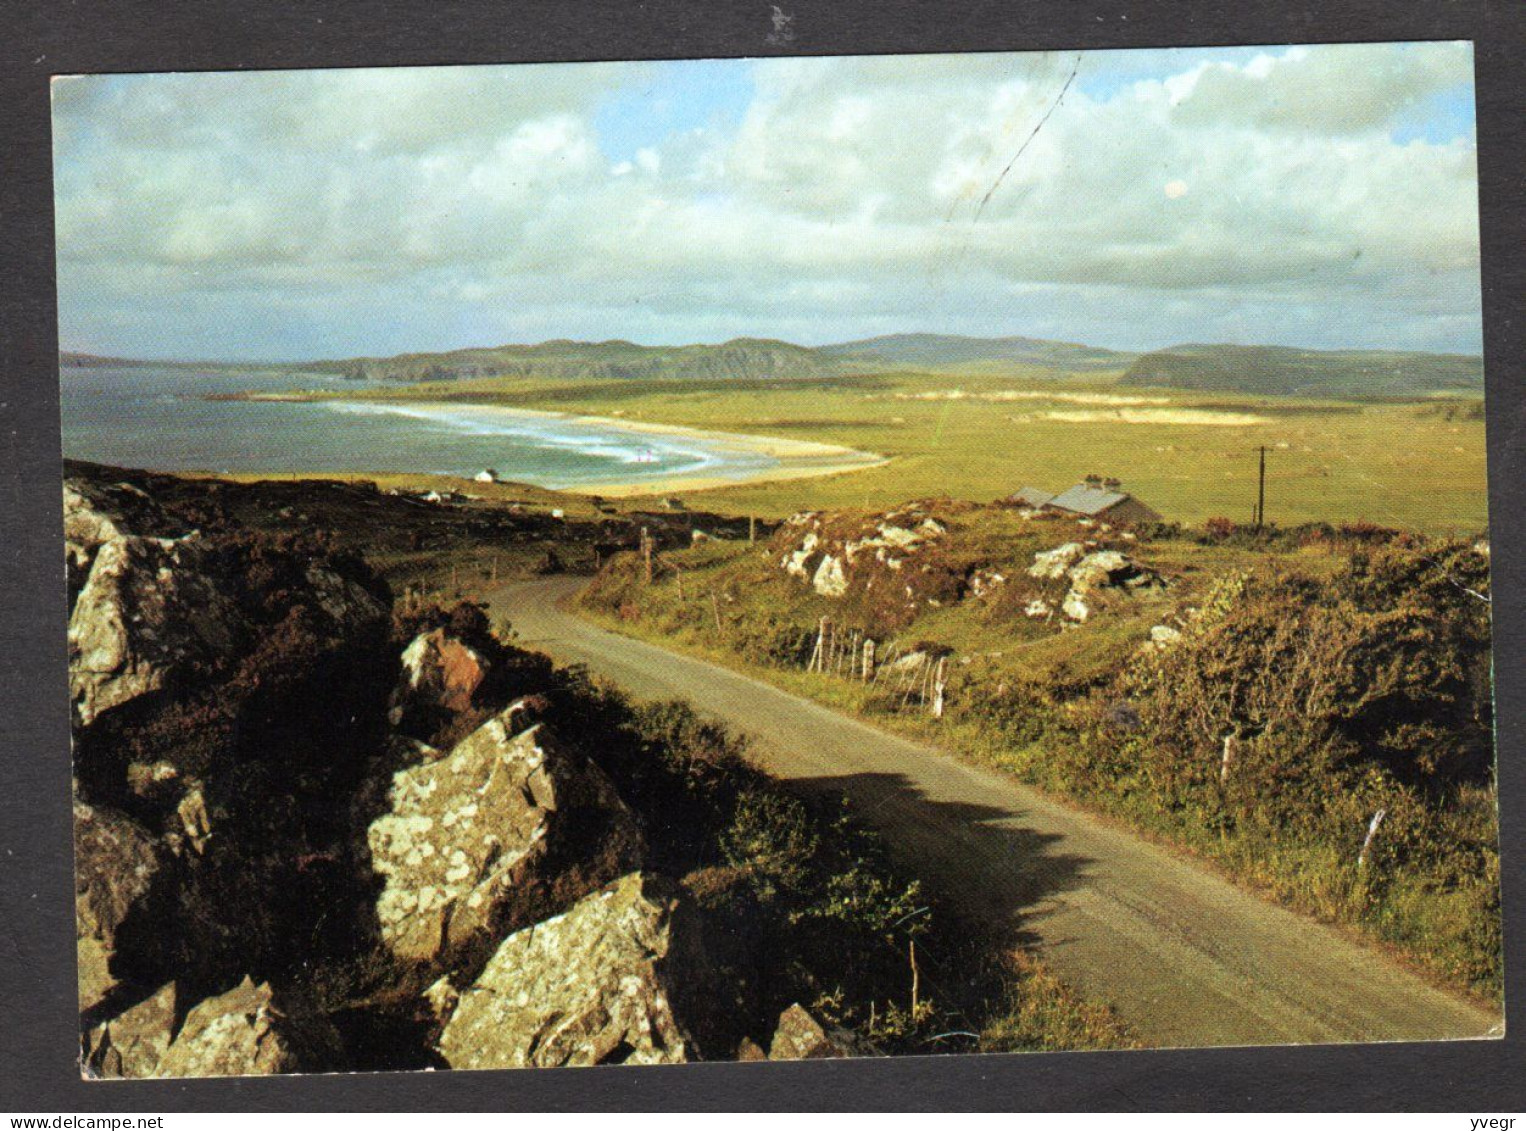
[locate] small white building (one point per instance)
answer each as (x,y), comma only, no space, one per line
(487,475)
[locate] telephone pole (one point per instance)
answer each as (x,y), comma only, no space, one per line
(1261,492)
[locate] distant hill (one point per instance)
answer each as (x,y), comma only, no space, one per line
(1273,371)
(69,359)
(940,351)
(738,358)
(72,359)
(1277,371)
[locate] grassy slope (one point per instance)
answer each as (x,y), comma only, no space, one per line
(1278,371)
(1417,465)
(1444,933)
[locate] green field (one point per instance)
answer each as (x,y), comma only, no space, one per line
(1414,464)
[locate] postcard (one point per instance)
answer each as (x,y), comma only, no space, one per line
(760,559)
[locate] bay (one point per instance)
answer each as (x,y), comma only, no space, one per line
(163,419)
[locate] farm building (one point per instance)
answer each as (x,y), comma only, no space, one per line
(1096,497)
(487,475)
(1031,497)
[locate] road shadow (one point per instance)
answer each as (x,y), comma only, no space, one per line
(983,861)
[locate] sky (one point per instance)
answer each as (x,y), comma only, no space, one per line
(1321,196)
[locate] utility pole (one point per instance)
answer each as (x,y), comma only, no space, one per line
(1261,492)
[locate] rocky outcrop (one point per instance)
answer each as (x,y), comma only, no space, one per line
(149,611)
(1054,564)
(132,1044)
(600,984)
(250,1031)
(442,676)
(884,560)
(829,579)
(799,560)
(799,1036)
(147,614)
(1087,571)
(96,513)
(503,830)
(1105,568)
(122,877)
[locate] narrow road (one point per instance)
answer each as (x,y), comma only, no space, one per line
(1185,956)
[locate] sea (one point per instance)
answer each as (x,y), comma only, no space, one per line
(171,420)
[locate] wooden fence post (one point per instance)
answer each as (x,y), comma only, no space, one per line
(1372,831)
(715,607)
(1229,748)
(752,529)
(940,681)
(867,671)
(646,552)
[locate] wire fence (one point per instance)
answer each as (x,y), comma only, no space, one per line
(906,674)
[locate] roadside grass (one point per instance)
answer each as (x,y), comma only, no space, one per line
(1040,1011)
(1030,700)
(1416,465)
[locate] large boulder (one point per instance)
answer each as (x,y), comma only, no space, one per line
(148,614)
(502,831)
(122,878)
(606,983)
(133,1043)
(250,1031)
(441,677)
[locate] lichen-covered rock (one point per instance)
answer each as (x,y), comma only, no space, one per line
(132,1044)
(799,1036)
(855,557)
(96,513)
(829,579)
(1075,607)
(249,1031)
(984,582)
(441,677)
(351,606)
(800,560)
(500,832)
(596,985)
(1099,569)
(1054,564)
(121,880)
(148,612)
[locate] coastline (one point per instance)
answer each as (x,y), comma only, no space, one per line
(789,458)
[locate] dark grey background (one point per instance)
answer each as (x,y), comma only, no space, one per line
(38,1037)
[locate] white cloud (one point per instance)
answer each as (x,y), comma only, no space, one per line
(339,212)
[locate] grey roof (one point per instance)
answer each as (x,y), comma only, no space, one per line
(1082,499)
(1031,496)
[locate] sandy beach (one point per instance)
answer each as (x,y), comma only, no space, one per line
(787,458)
